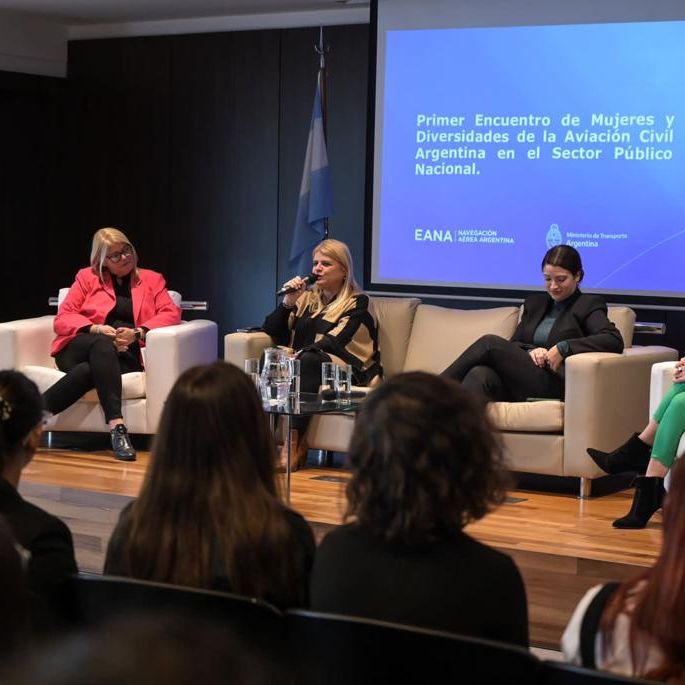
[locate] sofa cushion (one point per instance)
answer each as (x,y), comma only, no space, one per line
(546,416)
(133,384)
(624,319)
(440,335)
(395,316)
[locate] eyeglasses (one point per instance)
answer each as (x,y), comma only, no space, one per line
(116,256)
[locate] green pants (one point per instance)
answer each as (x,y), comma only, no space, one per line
(670,415)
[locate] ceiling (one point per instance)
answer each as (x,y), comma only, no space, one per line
(120,11)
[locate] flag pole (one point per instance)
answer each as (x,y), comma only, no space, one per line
(322,50)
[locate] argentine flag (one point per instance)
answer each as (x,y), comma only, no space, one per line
(314,205)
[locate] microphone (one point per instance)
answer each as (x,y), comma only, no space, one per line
(308,280)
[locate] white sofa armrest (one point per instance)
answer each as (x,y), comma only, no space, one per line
(607,398)
(661,381)
(26,342)
(171,350)
(241,346)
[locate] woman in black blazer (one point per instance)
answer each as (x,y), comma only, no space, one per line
(554,326)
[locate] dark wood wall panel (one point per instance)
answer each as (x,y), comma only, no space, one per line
(31,121)
(225,171)
(120,133)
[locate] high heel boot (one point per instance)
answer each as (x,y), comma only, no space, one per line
(648,497)
(632,455)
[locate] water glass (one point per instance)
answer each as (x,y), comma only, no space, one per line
(252,370)
(294,377)
(328,376)
(343,383)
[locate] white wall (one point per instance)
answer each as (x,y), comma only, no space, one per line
(32,45)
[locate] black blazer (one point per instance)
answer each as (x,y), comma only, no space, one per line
(45,536)
(584,324)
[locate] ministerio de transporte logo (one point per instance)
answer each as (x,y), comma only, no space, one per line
(553,237)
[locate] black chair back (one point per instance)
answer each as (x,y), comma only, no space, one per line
(556,673)
(86,600)
(335,649)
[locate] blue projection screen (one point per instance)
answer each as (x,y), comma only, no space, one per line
(494,143)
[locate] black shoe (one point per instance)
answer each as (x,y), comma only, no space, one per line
(649,496)
(121,444)
(631,456)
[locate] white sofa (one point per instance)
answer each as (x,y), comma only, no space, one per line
(25,346)
(607,395)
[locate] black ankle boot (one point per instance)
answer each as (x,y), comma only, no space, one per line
(632,455)
(649,496)
(121,444)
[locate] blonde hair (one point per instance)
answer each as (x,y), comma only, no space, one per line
(103,239)
(338,252)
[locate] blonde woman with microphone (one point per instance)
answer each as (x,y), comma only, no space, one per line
(329,322)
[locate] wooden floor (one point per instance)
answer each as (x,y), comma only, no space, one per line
(562,545)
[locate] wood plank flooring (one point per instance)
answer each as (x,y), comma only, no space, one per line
(562,545)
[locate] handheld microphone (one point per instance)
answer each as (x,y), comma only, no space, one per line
(308,280)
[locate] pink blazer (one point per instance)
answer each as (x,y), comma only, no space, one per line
(89,301)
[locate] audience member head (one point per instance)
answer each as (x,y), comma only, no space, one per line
(21,421)
(14,595)
(150,649)
(658,612)
(209,502)
(105,240)
(425,460)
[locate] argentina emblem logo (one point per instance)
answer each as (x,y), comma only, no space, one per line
(553,236)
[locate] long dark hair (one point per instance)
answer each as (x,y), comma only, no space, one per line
(209,504)
(657,611)
(425,460)
(21,410)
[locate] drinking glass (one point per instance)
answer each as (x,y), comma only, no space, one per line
(328,377)
(294,377)
(252,370)
(343,383)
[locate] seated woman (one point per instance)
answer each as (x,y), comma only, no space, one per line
(330,322)
(100,327)
(637,628)
(45,539)
(208,514)
(425,462)
(650,452)
(553,326)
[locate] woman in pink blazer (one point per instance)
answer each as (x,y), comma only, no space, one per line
(101,326)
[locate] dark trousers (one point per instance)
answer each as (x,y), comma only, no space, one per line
(503,372)
(91,361)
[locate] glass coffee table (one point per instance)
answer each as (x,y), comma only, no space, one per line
(307,404)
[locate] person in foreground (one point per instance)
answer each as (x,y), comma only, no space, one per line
(45,539)
(330,322)
(554,326)
(208,514)
(425,462)
(637,628)
(101,326)
(650,453)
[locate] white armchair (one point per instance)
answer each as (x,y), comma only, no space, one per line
(168,352)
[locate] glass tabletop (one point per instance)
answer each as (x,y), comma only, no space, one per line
(309,403)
